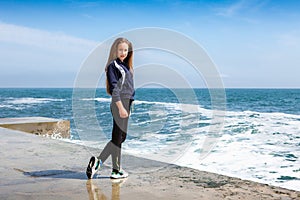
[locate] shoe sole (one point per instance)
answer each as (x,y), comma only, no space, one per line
(115,178)
(89,171)
(118,181)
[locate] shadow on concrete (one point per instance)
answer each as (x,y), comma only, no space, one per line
(63,174)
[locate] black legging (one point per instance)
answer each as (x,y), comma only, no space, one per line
(119,132)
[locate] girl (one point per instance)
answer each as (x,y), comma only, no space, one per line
(119,84)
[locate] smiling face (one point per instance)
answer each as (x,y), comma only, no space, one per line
(122,51)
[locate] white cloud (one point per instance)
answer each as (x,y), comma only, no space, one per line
(56,41)
(231,9)
(88,16)
(83,4)
(33,57)
(290,39)
(240,8)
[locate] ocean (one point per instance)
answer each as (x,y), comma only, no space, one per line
(259,139)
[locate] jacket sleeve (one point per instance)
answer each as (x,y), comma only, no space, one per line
(113,81)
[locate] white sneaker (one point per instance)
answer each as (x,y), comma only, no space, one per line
(119,182)
(118,175)
(93,166)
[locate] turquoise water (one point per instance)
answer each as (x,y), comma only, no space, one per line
(260,137)
(57,103)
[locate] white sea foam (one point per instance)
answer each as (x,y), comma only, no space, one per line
(99,99)
(6,106)
(262,147)
(30,100)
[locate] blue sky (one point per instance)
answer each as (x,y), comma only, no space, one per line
(254,44)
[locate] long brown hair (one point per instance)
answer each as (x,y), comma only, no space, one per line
(113,55)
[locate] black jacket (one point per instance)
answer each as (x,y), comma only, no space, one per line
(114,77)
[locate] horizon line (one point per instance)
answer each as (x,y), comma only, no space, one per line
(151,88)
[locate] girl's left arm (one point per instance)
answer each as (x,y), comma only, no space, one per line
(112,77)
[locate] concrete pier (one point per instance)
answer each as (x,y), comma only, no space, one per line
(38,126)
